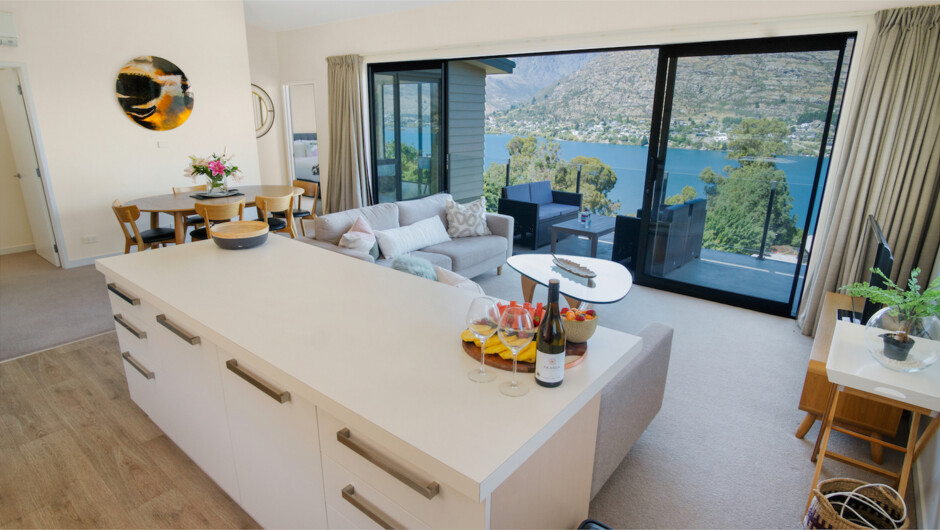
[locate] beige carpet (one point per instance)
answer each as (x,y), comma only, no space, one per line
(42,306)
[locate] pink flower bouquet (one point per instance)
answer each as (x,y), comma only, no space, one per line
(216,168)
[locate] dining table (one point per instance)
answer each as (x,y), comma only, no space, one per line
(183,204)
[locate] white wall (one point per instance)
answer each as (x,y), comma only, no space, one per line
(263,67)
(72,52)
(15,235)
(303,108)
(477,28)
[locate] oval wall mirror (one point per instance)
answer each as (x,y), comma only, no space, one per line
(263,110)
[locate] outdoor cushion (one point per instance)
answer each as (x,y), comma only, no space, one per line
(541,192)
(469,251)
(519,192)
(380,217)
(410,212)
(547,211)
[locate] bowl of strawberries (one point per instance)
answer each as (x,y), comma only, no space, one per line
(579,324)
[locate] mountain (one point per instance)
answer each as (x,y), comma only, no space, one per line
(531,75)
(609,97)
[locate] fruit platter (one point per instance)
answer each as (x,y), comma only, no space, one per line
(499,356)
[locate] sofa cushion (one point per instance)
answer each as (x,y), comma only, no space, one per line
(541,192)
(469,251)
(332,226)
(452,278)
(548,211)
(410,212)
(518,192)
(359,237)
(397,241)
(466,220)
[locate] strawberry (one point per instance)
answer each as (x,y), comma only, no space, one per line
(579,318)
(590,312)
(564,311)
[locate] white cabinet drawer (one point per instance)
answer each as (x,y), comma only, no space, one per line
(192,389)
(447,508)
(275,446)
(360,504)
(124,299)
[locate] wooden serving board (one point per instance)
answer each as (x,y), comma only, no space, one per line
(575,352)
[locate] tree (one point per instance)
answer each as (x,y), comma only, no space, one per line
(738,197)
(687,194)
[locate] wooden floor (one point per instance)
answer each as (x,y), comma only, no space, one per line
(76,452)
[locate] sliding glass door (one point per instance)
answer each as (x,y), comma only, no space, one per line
(738,157)
(408,139)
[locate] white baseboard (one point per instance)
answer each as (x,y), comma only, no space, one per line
(17,249)
(72,263)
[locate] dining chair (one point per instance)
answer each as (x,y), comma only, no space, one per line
(190,220)
(215,213)
(148,238)
(311,189)
(268,205)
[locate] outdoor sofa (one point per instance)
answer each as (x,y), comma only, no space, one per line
(535,206)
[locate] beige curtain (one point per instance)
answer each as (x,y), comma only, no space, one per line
(890,166)
(349,184)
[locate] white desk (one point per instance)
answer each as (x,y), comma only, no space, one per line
(852,370)
(378,351)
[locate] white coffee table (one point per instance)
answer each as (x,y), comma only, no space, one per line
(612,283)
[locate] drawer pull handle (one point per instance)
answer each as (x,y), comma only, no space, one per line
(192,339)
(130,299)
(137,366)
(367,508)
(281,396)
(119,318)
(344,437)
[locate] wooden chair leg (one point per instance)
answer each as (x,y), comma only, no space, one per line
(499,270)
(909,456)
(806,425)
(303,230)
(127,247)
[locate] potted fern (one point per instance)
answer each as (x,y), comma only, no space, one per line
(909,317)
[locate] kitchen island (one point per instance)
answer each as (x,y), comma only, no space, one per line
(318,390)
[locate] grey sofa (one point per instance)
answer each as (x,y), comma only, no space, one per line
(467,256)
(630,402)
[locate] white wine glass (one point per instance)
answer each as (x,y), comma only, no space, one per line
(482,320)
(516,330)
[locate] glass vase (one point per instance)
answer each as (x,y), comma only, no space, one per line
(216,185)
(903,345)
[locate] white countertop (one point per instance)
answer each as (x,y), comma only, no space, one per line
(378,342)
(850,364)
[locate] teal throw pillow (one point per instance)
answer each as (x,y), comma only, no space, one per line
(374,251)
(415,265)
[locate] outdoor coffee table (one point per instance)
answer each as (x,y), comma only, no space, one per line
(600,225)
(611,283)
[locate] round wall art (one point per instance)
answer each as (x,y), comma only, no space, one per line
(154,93)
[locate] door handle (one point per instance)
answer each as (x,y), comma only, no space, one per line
(18,176)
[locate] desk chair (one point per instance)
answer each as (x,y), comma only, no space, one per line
(148,238)
(269,205)
(215,213)
(311,189)
(191,220)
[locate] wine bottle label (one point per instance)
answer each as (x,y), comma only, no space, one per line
(549,367)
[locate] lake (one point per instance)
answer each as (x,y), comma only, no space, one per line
(683,166)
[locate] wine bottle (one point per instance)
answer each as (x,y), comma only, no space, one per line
(550,347)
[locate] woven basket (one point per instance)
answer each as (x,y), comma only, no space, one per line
(822,513)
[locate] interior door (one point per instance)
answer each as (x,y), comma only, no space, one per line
(738,157)
(27,166)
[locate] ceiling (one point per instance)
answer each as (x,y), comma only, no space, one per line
(283,15)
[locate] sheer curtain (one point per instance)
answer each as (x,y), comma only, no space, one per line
(349,184)
(890,166)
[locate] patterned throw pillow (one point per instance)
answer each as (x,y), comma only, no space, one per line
(466,220)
